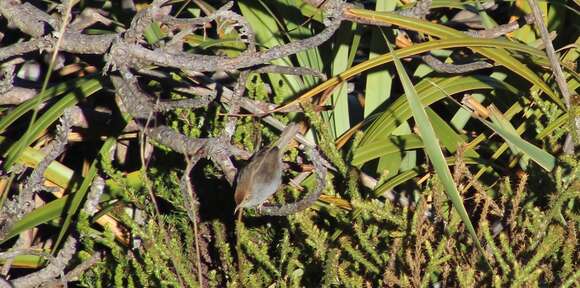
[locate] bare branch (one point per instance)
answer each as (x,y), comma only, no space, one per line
(58,264)
(441,67)
(556,68)
(288,70)
(420,10)
(87,264)
(191,205)
(501,29)
(53,270)
(26,17)
(14,210)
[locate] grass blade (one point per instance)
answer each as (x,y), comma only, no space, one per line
(499,55)
(78,196)
(503,127)
(268,32)
(379,81)
(432,148)
(84,89)
(48,212)
(410,51)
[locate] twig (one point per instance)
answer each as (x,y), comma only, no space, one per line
(57,147)
(441,67)
(501,29)
(59,263)
(495,32)
(557,70)
(88,17)
(191,205)
(5,283)
(26,17)
(420,10)
(234,104)
(15,210)
(255,108)
(53,270)
(77,271)
(126,53)
(288,70)
(554,62)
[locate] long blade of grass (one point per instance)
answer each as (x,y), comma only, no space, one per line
(51,92)
(78,196)
(378,82)
(400,111)
(49,117)
(339,116)
(410,174)
(501,56)
(27,261)
(267,30)
(48,212)
(381,147)
(56,172)
(299,29)
(432,148)
(503,127)
(410,51)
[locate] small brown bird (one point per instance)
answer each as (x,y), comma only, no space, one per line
(261,178)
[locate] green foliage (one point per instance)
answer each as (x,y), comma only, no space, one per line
(370,249)
(441,173)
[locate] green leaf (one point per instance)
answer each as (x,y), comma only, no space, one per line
(429,91)
(29,105)
(410,51)
(56,172)
(380,148)
(44,214)
(27,261)
(378,81)
(553,125)
(433,150)
(503,127)
(153,33)
(80,194)
(339,117)
(267,30)
(395,181)
(448,137)
(300,29)
(499,55)
(82,90)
